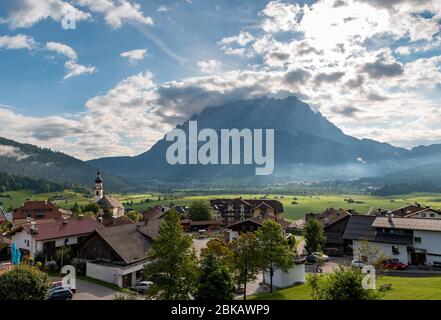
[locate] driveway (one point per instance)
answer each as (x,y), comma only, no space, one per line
(91,291)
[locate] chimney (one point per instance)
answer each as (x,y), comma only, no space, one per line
(389,217)
(65,221)
(402,210)
(33,227)
(100,219)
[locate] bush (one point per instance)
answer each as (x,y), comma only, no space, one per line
(344,284)
(24,283)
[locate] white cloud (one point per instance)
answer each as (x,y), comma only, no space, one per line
(209,66)
(134,55)
(26,13)
(117,12)
(243,38)
(62,49)
(19,41)
(73,69)
(163,8)
(12,152)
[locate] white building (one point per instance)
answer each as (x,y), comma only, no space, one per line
(413,241)
(118,254)
(281,279)
(105,201)
(47,236)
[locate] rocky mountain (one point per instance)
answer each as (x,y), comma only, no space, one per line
(31,161)
(307,146)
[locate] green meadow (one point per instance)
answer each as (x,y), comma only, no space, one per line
(418,288)
(295,206)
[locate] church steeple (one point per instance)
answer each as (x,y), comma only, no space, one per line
(99,190)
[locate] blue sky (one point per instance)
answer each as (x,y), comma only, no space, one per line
(178,31)
(370,66)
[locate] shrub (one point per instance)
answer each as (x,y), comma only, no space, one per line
(24,283)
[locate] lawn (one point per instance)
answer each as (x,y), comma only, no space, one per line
(295,206)
(421,288)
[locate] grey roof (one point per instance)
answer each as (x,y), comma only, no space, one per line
(408,223)
(127,241)
(360,228)
(109,202)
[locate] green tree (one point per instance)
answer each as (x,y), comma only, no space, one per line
(76,209)
(173,267)
(214,281)
(134,216)
(91,207)
(107,214)
(315,236)
(274,250)
(199,211)
(220,250)
(24,283)
(345,283)
(5,227)
(246,260)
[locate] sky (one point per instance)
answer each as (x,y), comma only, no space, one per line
(131,70)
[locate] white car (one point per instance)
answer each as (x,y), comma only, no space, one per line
(142,286)
(357,264)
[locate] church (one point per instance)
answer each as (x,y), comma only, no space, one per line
(106,201)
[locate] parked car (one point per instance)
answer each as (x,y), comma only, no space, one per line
(358,264)
(142,286)
(60,293)
(316,256)
(393,264)
(59,284)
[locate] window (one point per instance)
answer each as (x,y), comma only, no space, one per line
(432,215)
(417,240)
(423,215)
(395,250)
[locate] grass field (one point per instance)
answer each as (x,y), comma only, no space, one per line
(295,206)
(428,288)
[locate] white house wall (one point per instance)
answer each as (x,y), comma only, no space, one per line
(431,242)
(285,279)
(385,249)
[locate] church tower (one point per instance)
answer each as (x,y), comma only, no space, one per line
(99,191)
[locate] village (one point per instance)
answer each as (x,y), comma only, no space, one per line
(111,250)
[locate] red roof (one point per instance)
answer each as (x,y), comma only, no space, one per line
(59,229)
(156,212)
(37,210)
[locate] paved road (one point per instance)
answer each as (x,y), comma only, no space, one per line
(91,291)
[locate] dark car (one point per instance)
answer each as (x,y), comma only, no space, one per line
(393,264)
(60,294)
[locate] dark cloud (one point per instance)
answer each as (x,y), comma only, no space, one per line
(295,76)
(347,111)
(356,83)
(372,96)
(380,69)
(328,77)
(304,49)
(280,56)
(348,19)
(340,3)
(54,130)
